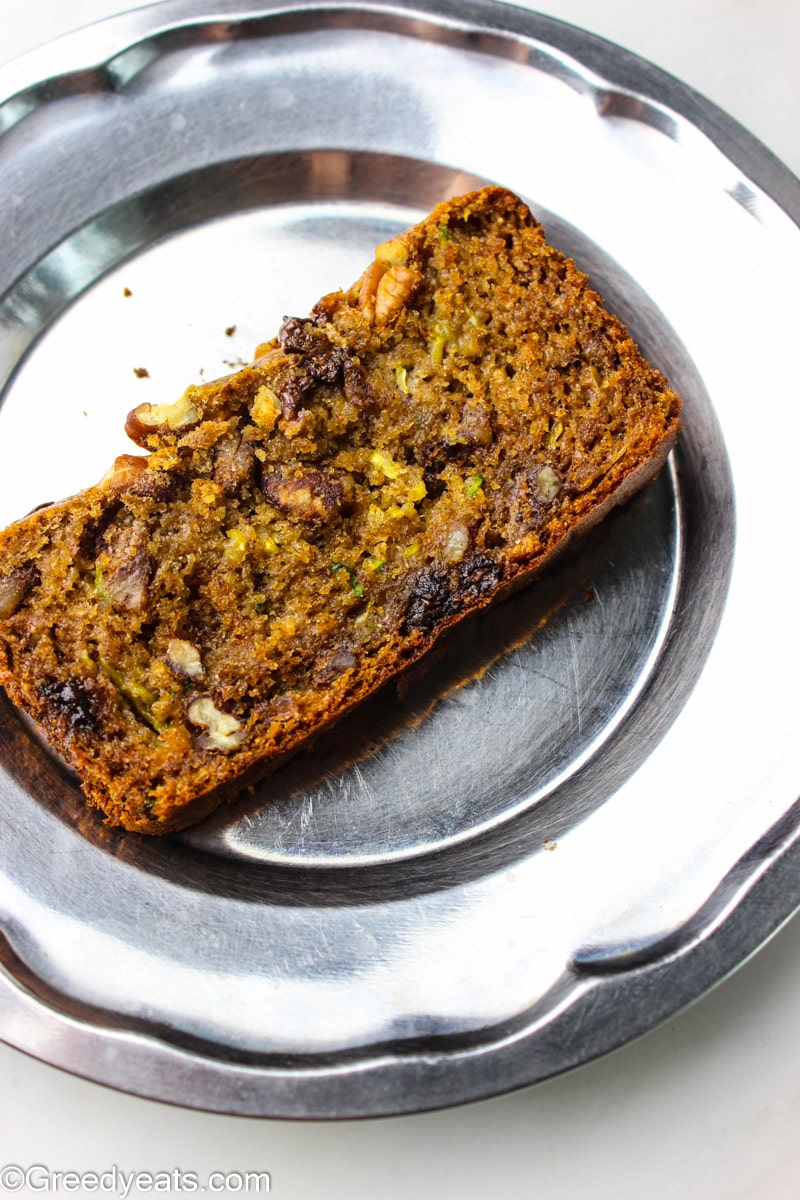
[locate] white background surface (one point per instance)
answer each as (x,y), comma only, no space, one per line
(707,1106)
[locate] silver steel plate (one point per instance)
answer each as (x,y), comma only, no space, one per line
(586,812)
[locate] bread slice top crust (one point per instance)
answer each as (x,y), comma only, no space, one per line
(304,529)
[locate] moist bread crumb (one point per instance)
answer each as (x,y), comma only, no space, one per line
(306,528)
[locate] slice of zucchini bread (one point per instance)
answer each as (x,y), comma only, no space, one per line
(304,529)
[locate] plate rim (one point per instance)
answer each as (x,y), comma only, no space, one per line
(765,886)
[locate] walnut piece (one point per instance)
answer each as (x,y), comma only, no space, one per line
(149,419)
(547,484)
(222,731)
(183,659)
(312,497)
(126,472)
(131,475)
(456,542)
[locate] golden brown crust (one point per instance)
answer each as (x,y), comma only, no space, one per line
(303,530)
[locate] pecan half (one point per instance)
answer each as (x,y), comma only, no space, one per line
(369,288)
(394,291)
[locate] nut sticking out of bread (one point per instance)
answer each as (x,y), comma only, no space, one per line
(301,531)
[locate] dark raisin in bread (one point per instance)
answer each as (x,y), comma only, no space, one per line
(301,531)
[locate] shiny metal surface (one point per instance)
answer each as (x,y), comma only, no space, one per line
(585,814)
